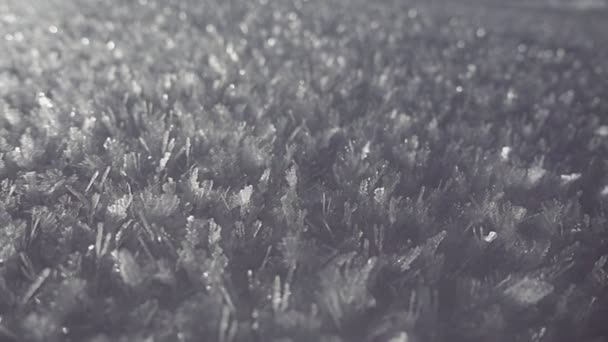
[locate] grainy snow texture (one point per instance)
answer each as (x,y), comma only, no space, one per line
(321,170)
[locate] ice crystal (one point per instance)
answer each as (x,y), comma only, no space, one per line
(9,239)
(345,292)
(492,235)
(529,291)
(282,170)
(602,131)
(505,152)
(44,101)
(119,208)
(128,268)
(244,196)
(535,174)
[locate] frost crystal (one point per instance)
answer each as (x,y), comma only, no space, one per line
(292,177)
(120,206)
(490,237)
(245,195)
(519,212)
(406,261)
(602,131)
(9,236)
(379,195)
(529,291)
(366,150)
(505,152)
(535,174)
(570,177)
(400,337)
(128,268)
(44,101)
(384,182)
